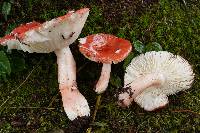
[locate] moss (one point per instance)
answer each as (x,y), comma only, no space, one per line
(36,104)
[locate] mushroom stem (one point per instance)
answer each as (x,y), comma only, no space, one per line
(103,81)
(66,67)
(74,102)
(132,90)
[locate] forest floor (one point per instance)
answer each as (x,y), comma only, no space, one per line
(30,100)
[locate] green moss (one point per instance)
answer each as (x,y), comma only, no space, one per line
(36,104)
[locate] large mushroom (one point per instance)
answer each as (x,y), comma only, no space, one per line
(152,76)
(56,35)
(106,49)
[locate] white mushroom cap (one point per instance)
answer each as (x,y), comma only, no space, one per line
(51,35)
(177,73)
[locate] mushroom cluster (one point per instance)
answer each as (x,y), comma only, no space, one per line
(152,76)
(148,80)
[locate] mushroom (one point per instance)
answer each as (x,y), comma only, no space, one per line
(106,49)
(56,35)
(152,76)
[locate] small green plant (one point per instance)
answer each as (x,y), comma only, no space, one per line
(115,81)
(102,127)
(140,48)
(5,68)
(10,63)
(6,8)
(154,46)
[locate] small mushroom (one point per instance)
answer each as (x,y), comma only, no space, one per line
(152,76)
(56,35)
(106,49)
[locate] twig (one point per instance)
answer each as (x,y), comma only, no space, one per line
(52,100)
(20,84)
(125,117)
(81,67)
(31,108)
(17,88)
(184,2)
(98,102)
(4,102)
(186,111)
(23,81)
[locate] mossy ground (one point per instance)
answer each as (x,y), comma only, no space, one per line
(30,99)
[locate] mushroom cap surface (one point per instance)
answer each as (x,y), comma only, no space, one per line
(105,48)
(177,71)
(48,36)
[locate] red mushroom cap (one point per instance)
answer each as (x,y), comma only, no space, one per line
(80,11)
(105,48)
(5,38)
(48,36)
(19,32)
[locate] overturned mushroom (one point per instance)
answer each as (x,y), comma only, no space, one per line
(56,35)
(152,76)
(106,49)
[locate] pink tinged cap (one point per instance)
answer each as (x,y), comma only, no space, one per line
(14,39)
(80,12)
(19,32)
(105,48)
(6,38)
(49,36)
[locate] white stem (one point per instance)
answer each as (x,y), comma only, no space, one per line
(74,102)
(103,81)
(66,67)
(132,90)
